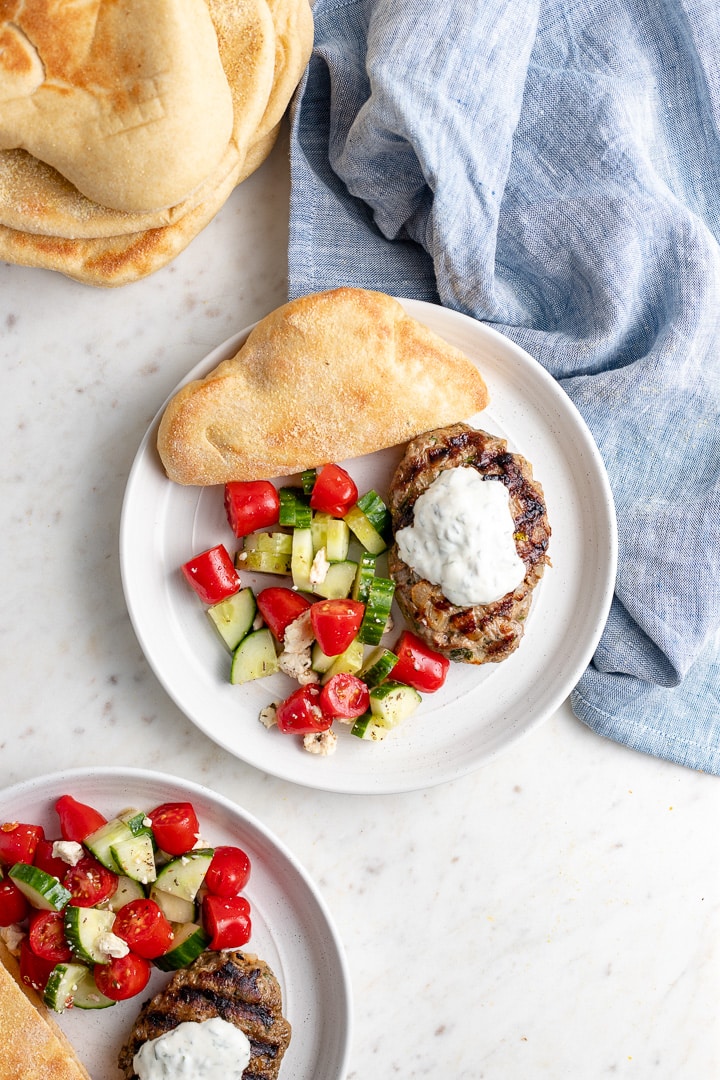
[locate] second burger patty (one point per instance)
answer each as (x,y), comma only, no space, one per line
(485,632)
(235,986)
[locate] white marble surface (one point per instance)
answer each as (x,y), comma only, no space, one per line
(555,915)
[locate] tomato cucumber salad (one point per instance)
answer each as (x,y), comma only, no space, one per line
(326,624)
(93,911)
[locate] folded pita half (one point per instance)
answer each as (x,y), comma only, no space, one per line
(32,1046)
(330,376)
(129,101)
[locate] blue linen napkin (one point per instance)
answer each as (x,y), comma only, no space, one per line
(552,167)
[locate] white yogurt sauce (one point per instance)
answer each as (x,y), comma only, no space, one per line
(213,1049)
(462,538)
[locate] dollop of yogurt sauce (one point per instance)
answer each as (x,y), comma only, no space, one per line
(213,1049)
(462,538)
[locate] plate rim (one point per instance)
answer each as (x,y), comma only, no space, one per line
(326,780)
(62,780)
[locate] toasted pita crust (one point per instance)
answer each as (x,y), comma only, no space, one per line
(94,253)
(32,1046)
(36,198)
(330,376)
(129,101)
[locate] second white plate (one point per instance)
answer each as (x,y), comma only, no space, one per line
(480,710)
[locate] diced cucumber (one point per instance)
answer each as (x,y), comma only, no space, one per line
(294,508)
(40,889)
(136,820)
(308,478)
(61,987)
(264,562)
(87,995)
(127,890)
(393,702)
(338,540)
(189,942)
(375,511)
(254,658)
(351,660)
(107,836)
(364,577)
(135,857)
(184,875)
(275,543)
(378,666)
(176,909)
(83,927)
(318,528)
(302,559)
(233,617)
(366,727)
(338,581)
(368,536)
(377,611)
(320,661)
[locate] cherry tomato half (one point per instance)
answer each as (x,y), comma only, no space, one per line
(89,882)
(45,860)
(335,623)
(123,977)
(46,935)
(175,827)
(77,820)
(18,842)
(345,696)
(227,920)
(251,505)
(301,713)
(279,607)
(334,491)
(142,924)
(34,970)
(212,575)
(13,905)
(228,872)
(418,665)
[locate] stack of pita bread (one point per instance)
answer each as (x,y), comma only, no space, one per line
(126,124)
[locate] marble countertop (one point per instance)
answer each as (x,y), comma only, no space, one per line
(555,914)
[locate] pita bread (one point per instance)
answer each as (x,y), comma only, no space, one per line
(128,101)
(330,376)
(32,1046)
(120,258)
(36,198)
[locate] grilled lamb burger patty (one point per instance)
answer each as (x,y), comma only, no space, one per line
(235,986)
(483,633)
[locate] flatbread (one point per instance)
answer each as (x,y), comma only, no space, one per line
(36,198)
(32,1046)
(105,258)
(330,376)
(127,100)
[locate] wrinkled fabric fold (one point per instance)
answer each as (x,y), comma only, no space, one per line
(553,169)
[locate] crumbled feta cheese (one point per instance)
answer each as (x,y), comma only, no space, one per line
(299,634)
(258,622)
(68,850)
(268,715)
(298,666)
(320,742)
(319,568)
(147,822)
(12,936)
(111,945)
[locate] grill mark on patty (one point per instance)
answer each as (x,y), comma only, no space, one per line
(484,632)
(235,986)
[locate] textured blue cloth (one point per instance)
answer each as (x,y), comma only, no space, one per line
(553,168)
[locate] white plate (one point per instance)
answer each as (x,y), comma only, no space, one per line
(292,929)
(480,710)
